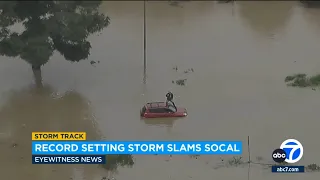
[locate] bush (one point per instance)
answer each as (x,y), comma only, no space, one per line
(301,80)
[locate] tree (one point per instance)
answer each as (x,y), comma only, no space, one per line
(49,25)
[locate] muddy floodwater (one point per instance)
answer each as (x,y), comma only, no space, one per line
(240,54)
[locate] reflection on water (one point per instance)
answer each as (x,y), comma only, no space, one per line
(259,17)
(32,109)
(176,17)
(166,122)
(312,16)
(43,109)
(46,110)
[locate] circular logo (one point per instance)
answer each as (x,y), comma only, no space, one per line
(279,155)
(293,149)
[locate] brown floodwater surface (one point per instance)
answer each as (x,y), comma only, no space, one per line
(240,54)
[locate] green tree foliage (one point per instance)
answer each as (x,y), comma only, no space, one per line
(49,25)
(116,160)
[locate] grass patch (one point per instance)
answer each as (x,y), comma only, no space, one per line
(235,161)
(232,162)
(301,80)
(312,168)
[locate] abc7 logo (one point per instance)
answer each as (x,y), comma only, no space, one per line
(279,155)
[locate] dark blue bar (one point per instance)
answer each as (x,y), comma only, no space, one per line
(68,159)
(287,169)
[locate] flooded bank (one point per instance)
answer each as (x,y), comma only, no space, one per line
(240,54)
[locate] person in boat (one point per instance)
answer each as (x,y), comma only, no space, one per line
(169,96)
(170,102)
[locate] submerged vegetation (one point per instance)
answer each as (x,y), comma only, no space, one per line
(196,156)
(238,161)
(182,82)
(301,80)
(312,168)
(118,160)
(281,164)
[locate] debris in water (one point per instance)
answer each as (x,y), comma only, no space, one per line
(170,157)
(92,62)
(14,145)
(313,167)
(175,68)
(195,156)
(175,3)
(189,70)
(225,1)
(181,82)
(259,158)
